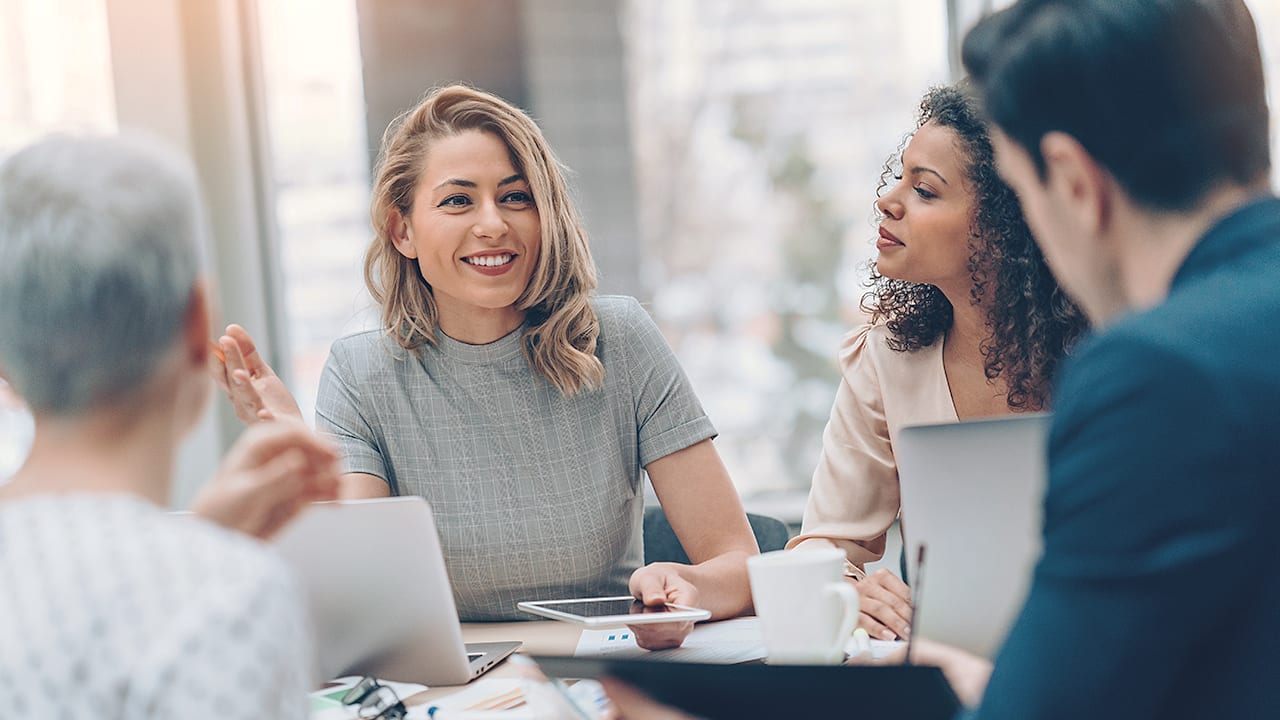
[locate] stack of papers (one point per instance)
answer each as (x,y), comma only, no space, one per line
(725,642)
(485,698)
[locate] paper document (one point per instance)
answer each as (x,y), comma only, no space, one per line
(725,641)
(487,697)
(880,649)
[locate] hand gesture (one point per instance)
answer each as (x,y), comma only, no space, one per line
(255,391)
(655,585)
(273,471)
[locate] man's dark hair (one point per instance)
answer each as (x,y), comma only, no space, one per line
(1168,95)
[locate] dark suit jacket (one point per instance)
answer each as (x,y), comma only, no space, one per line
(1158,594)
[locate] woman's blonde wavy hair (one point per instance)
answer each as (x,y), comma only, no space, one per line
(561,328)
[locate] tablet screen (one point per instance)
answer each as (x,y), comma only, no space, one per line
(603,608)
(616,610)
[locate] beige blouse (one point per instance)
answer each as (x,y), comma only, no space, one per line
(855,498)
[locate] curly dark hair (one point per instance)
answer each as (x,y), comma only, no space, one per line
(1031,321)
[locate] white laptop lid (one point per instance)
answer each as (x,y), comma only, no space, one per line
(972,492)
(380,598)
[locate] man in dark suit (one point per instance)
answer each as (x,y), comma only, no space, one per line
(1136,136)
(1135,133)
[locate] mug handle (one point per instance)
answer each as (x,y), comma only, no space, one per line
(848,599)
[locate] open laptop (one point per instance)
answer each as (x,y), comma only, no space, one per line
(972,493)
(380,599)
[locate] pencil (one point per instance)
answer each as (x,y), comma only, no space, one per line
(917,589)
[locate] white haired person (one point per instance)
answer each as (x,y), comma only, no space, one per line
(109,606)
(522,407)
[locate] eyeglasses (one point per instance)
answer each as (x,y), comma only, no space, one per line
(375,700)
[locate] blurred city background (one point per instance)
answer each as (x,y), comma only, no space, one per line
(725,154)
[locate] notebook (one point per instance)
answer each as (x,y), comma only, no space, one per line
(379,594)
(972,494)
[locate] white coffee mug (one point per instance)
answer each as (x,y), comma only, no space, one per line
(806,609)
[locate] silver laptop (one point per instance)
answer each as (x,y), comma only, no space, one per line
(972,493)
(380,599)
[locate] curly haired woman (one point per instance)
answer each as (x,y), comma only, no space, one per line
(966,321)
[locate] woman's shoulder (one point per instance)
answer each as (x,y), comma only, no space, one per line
(866,353)
(864,344)
(623,320)
(361,342)
(132,529)
(617,311)
(232,557)
(368,352)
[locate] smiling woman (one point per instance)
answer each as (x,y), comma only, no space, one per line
(472,218)
(523,408)
(458,184)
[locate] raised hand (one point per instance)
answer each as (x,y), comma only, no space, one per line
(254,389)
(274,470)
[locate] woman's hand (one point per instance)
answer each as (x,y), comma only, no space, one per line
(884,605)
(273,471)
(255,391)
(968,674)
(655,585)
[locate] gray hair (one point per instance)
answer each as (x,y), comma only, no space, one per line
(99,254)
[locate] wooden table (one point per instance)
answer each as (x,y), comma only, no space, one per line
(540,637)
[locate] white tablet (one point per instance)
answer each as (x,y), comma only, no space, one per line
(612,611)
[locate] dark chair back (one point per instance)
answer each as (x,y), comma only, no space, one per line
(662,545)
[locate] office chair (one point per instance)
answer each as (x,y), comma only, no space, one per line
(662,545)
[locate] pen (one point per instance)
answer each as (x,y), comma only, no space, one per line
(917,589)
(435,712)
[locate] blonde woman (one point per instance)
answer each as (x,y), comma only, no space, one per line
(521,407)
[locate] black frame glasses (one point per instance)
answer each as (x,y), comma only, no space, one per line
(375,700)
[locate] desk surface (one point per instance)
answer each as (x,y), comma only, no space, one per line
(540,637)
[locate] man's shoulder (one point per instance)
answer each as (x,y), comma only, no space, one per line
(1221,327)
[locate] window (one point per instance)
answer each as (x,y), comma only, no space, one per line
(315,113)
(761,130)
(1267,16)
(55,75)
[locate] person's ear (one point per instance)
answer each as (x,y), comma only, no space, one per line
(1080,185)
(197,324)
(400,233)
